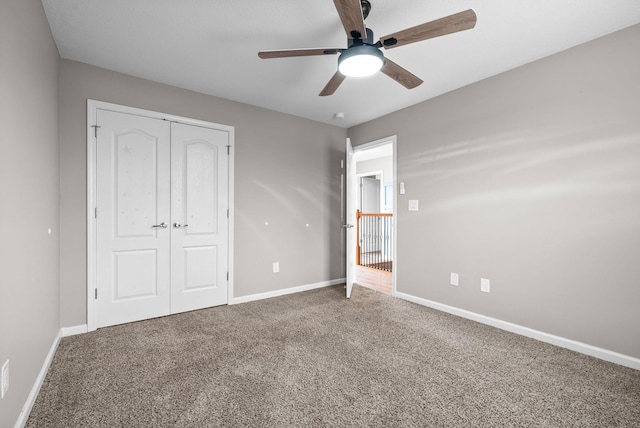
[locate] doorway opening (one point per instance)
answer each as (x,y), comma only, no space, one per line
(375,203)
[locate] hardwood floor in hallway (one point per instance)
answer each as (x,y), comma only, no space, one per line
(375,279)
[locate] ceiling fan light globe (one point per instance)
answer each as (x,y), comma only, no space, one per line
(360,61)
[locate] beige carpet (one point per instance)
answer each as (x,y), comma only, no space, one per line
(317,359)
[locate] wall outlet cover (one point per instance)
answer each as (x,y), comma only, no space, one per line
(276,267)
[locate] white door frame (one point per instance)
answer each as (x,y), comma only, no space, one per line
(372,145)
(92,107)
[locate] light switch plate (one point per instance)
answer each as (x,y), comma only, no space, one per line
(413,205)
(485,285)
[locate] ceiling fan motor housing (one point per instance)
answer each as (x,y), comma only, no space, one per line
(362,58)
(366,8)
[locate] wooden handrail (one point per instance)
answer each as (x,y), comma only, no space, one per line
(360,214)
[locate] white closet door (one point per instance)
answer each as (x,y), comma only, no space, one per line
(133,234)
(199,203)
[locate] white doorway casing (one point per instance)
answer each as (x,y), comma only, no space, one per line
(369,151)
(199,239)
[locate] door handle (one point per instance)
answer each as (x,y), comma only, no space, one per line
(162,225)
(347,226)
(178,225)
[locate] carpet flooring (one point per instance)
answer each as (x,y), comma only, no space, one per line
(317,359)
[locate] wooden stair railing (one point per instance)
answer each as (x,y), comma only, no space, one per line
(374,247)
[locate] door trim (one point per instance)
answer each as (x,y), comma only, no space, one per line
(394,160)
(92,107)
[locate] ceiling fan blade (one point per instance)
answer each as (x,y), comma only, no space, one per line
(440,27)
(286,53)
(333,84)
(350,12)
(400,75)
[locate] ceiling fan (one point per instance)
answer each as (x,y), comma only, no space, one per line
(363,57)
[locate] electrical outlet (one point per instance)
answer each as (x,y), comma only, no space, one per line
(454,279)
(276,267)
(4,379)
(485,285)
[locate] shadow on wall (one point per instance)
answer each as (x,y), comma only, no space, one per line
(552,218)
(294,221)
(524,168)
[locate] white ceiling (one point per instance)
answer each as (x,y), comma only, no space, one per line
(211,46)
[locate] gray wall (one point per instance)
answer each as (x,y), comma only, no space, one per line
(287,173)
(384,164)
(532,180)
(29,316)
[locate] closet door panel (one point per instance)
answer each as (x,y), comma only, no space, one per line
(133,248)
(199,194)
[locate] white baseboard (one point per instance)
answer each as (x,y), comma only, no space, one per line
(31,399)
(284,291)
(583,348)
(73,330)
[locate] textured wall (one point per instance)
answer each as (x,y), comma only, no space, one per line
(532,180)
(287,173)
(29,292)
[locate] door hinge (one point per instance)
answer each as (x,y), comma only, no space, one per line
(227,212)
(227,276)
(96,293)
(95,213)
(228,150)
(95,130)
